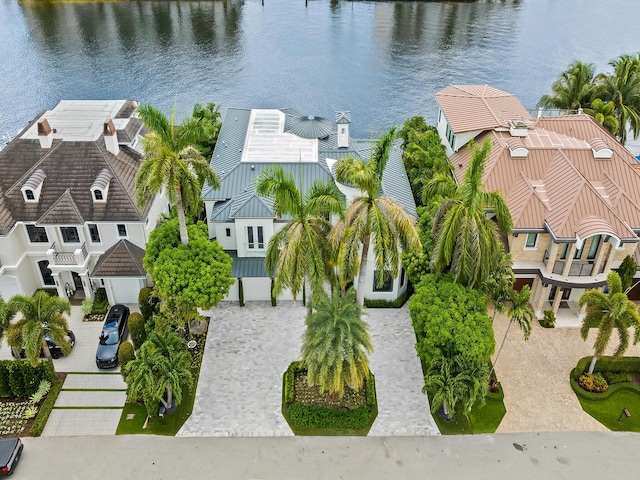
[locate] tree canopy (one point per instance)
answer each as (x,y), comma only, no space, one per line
(194,275)
(450,319)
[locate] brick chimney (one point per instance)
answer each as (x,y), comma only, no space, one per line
(45,133)
(110,137)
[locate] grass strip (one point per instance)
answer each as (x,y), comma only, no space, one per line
(45,409)
(88,408)
(94,389)
(93,373)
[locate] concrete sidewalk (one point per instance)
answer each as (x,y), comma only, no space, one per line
(554,456)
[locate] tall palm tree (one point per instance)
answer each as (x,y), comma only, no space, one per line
(520,312)
(172,163)
(6,314)
(372,219)
(466,239)
(41,314)
(453,380)
(622,87)
(574,88)
(604,114)
(297,254)
(167,342)
(613,310)
(335,344)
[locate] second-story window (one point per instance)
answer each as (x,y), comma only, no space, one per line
(97,194)
(37,234)
(593,249)
(122,230)
(255,238)
(451,138)
(94,233)
(532,240)
(69,234)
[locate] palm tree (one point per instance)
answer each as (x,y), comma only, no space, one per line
(574,88)
(5,317)
(498,285)
(466,239)
(604,114)
(453,380)
(158,378)
(613,310)
(172,163)
(520,312)
(297,254)
(622,87)
(167,342)
(41,314)
(335,344)
(372,219)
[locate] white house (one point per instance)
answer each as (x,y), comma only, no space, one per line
(308,147)
(67,196)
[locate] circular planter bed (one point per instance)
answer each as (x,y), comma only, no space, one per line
(310,413)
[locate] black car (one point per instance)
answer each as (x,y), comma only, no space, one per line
(114,332)
(54,348)
(10,451)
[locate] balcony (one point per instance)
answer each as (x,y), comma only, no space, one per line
(255,249)
(577,268)
(77,257)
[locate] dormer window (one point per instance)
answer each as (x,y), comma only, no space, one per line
(33,186)
(100,186)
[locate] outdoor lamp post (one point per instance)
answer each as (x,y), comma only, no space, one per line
(624,412)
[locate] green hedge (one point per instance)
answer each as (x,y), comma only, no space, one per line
(615,364)
(100,302)
(397,303)
(45,409)
(125,355)
(18,378)
(325,421)
(137,329)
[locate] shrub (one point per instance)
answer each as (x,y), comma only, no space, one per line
(137,329)
(593,383)
(397,303)
(609,364)
(45,409)
(53,292)
(16,380)
(144,300)
(240,292)
(125,355)
(87,306)
(5,388)
(549,319)
(100,302)
(30,378)
(616,377)
(45,371)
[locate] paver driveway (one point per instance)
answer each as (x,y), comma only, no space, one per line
(249,348)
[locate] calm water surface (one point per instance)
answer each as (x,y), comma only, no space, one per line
(381,60)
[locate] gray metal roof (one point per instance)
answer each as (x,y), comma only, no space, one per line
(245,267)
(236,175)
(249,205)
(308,126)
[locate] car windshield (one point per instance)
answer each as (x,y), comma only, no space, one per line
(109,337)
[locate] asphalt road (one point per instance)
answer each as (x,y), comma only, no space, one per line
(593,455)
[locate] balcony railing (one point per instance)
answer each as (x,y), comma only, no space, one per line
(77,257)
(577,269)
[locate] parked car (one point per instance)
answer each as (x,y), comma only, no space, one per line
(114,332)
(10,451)
(54,348)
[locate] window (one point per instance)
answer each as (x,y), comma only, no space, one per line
(122,230)
(402,277)
(29,194)
(578,254)
(37,234)
(532,240)
(97,194)
(593,249)
(94,233)
(451,138)
(565,249)
(45,271)
(228,232)
(387,286)
(69,234)
(252,241)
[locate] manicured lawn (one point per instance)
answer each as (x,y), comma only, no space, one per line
(608,411)
(167,425)
(481,419)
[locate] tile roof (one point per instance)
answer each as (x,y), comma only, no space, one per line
(559,183)
(124,259)
(471,108)
(71,167)
(235,174)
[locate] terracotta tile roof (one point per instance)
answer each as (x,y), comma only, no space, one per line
(470,108)
(71,167)
(560,184)
(124,259)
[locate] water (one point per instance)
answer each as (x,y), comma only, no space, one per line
(383,61)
